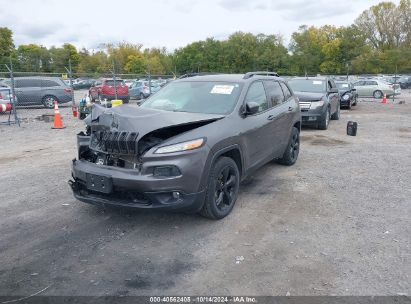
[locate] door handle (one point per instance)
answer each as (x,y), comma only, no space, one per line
(290,109)
(271,117)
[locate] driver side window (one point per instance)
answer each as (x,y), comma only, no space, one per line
(256,93)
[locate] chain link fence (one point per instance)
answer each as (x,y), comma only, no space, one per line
(35,93)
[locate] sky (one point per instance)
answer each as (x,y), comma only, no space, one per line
(168,23)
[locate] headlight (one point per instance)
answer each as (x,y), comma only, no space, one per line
(316,104)
(346,97)
(184,146)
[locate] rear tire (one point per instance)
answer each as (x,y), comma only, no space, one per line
(222,189)
(325,120)
(141,96)
(377,94)
(48,101)
(293,149)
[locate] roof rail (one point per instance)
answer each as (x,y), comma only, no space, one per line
(197,74)
(262,73)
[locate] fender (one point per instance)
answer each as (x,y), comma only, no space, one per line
(213,157)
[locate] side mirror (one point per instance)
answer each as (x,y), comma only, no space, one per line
(251,108)
(353,89)
(333,90)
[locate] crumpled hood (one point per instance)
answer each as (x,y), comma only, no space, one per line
(307,96)
(142,120)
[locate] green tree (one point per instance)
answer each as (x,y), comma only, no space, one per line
(33,57)
(6,42)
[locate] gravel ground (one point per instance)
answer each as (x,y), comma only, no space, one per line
(336,223)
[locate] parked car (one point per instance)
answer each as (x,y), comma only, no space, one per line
(83,84)
(38,90)
(348,94)
(141,89)
(188,146)
(129,82)
(374,88)
(5,99)
(106,88)
(404,82)
(319,100)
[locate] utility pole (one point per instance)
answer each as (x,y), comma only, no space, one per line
(395,82)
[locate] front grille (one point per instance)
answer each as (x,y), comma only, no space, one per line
(305,105)
(114,142)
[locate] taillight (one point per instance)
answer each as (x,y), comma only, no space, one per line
(67,90)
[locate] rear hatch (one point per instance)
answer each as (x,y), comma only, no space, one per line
(109,88)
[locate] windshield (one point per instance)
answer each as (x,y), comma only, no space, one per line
(196,97)
(307,85)
(343,86)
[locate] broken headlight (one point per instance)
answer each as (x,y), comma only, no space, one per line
(184,146)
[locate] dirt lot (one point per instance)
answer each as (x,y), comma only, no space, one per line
(336,223)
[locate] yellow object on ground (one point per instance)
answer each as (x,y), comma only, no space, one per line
(116,102)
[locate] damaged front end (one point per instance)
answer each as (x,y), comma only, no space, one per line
(116,164)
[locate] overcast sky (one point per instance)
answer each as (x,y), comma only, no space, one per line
(155,23)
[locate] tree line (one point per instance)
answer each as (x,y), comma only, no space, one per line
(379,41)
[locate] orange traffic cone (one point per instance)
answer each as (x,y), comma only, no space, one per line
(58,122)
(384,99)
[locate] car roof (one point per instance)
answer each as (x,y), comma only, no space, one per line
(37,77)
(311,78)
(228,78)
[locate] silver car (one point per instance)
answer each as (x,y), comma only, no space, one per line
(374,88)
(40,90)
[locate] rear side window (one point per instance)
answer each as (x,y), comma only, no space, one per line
(275,93)
(256,93)
(27,83)
(111,83)
(286,91)
(49,83)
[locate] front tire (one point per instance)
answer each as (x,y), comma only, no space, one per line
(337,114)
(222,189)
(293,149)
(325,120)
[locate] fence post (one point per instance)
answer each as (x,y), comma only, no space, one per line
(114,79)
(70,73)
(13,92)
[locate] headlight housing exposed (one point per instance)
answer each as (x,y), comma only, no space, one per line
(346,97)
(184,146)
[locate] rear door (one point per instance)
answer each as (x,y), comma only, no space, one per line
(370,87)
(278,117)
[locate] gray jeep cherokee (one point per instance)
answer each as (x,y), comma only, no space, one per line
(188,146)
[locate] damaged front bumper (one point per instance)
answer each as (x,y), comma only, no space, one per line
(101,185)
